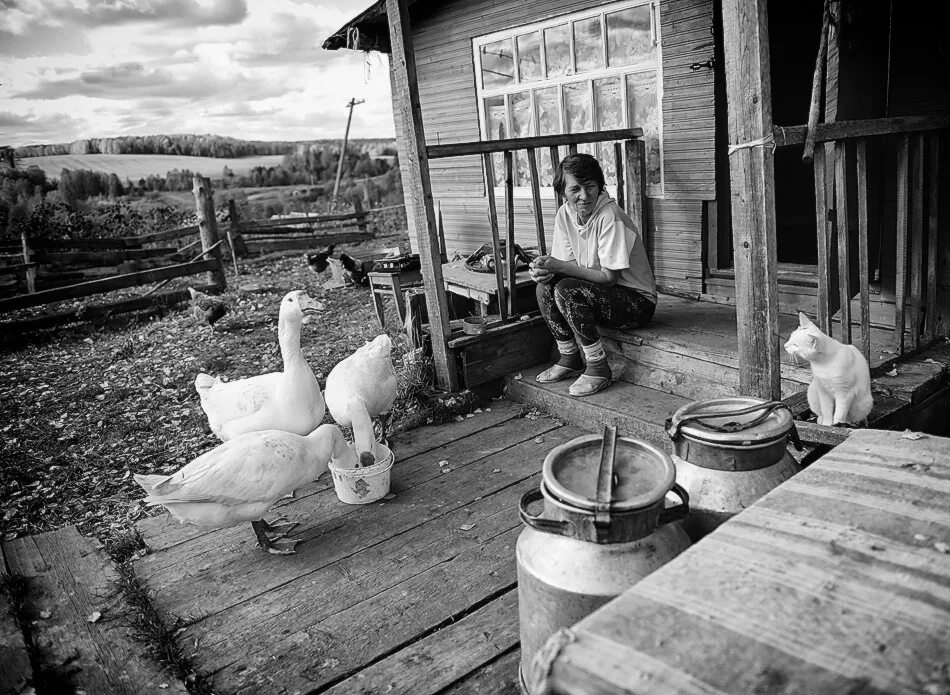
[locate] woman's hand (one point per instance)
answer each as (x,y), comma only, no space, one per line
(543,268)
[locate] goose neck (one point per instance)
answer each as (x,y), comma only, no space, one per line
(288,335)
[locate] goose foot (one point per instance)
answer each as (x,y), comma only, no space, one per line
(280,529)
(267,543)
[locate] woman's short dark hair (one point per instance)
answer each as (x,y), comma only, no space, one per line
(583,167)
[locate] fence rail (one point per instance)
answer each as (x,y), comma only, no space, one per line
(843,224)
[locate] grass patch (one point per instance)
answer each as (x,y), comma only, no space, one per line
(150,629)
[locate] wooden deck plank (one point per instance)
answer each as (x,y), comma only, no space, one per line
(404,589)
(79,623)
(499,677)
(219,569)
(15,669)
(444,657)
(835,581)
(162,532)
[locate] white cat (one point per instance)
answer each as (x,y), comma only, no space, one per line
(840,391)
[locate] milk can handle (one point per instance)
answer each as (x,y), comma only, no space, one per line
(680,511)
(673,429)
(605,476)
(562,528)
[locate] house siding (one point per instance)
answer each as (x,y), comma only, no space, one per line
(443,46)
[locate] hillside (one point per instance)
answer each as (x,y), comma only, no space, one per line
(136,166)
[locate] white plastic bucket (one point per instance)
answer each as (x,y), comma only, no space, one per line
(364,485)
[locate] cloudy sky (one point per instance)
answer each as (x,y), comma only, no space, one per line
(251,69)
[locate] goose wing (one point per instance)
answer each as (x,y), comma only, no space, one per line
(255,467)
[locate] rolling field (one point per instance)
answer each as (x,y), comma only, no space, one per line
(136,166)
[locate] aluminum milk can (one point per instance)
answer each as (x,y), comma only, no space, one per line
(603,527)
(729,452)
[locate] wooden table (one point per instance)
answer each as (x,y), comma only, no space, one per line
(478,286)
(837,581)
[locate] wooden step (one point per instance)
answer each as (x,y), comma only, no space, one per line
(637,411)
(78,620)
(688,364)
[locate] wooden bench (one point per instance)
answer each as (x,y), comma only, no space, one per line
(392,284)
(837,581)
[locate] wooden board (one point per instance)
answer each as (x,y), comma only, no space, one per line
(15,668)
(79,623)
(836,581)
(412,594)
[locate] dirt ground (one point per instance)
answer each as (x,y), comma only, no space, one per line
(82,408)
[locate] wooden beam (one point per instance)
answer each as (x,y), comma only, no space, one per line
(823,230)
(752,176)
(117,282)
(930,317)
(511,261)
(844,238)
(827,132)
(493,226)
(536,202)
(493,146)
(861,168)
(419,189)
(916,236)
(900,280)
(816,84)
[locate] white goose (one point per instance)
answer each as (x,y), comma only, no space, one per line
(289,400)
(241,479)
(361,387)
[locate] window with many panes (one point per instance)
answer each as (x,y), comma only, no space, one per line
(590,71)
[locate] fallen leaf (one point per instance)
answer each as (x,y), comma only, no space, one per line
(466,527)
(942,547)
(539,440)
(93,617)
(920,537)
(912,435)
(388,496)
(518,376)
(893,372)
(45,614)
(443,463)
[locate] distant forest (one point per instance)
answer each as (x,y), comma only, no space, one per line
(31,202)
(188,145)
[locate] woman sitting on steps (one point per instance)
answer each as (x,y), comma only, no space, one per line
(597,273)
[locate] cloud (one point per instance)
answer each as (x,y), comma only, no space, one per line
(22,17)
(31,128)
(136,80)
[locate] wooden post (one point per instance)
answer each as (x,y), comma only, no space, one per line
(816,84)
(208,229)
(752,176)
(30,271)
(418,188)
(234,229)
(635,184)
(232,217)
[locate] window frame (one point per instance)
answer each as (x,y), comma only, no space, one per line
(650,67)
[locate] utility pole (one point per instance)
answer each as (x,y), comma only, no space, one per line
(346,135)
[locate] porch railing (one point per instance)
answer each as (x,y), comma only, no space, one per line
(628,159)
(916,178)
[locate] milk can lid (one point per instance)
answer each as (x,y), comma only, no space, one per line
(643,474)
(731,421)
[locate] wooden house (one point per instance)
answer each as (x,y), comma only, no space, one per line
(782,157)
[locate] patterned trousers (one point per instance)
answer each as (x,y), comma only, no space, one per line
(573,308)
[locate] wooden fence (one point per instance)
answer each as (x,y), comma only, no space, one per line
(45,271)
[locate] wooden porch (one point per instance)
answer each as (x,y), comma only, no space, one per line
(417,593)
(414,594)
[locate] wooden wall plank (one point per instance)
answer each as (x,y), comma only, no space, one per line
(822,225)
(916,237)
